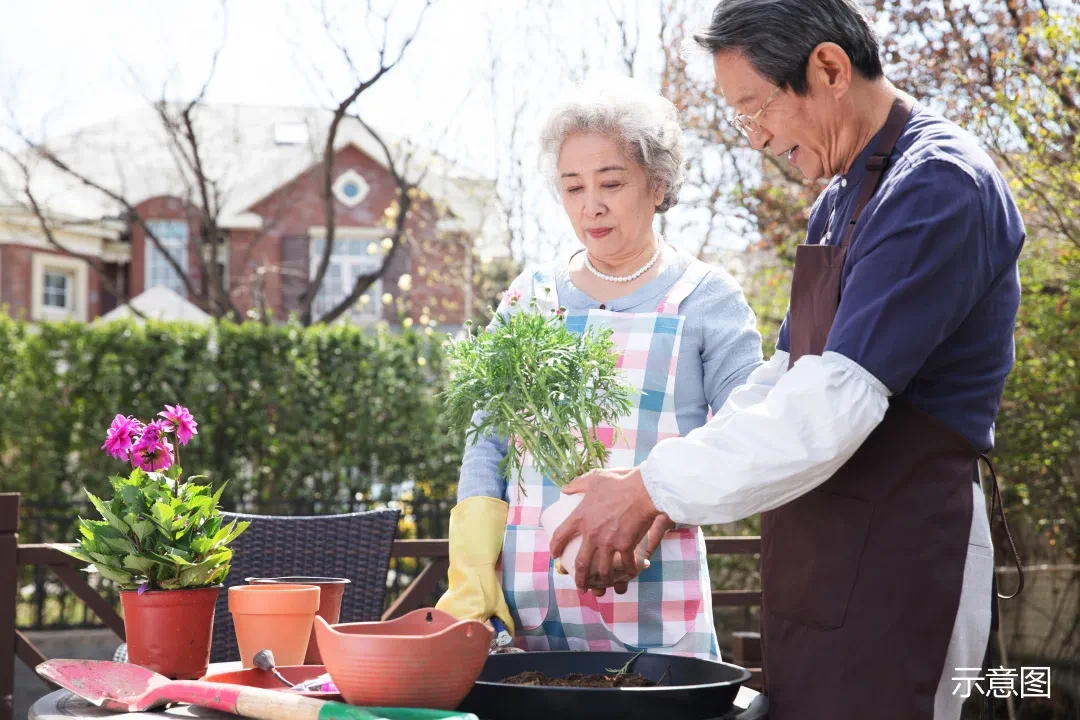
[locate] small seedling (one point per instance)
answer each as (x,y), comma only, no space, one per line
(625,669)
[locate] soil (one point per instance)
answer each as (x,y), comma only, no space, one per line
(578,680)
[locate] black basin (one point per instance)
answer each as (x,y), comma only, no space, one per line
(691,689)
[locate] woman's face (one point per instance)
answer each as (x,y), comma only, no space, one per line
(606,196)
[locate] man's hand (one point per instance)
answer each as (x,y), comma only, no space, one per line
(659,528)
(615,515)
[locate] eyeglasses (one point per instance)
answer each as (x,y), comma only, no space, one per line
(748,123)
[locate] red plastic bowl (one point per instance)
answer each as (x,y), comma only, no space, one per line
(426,659)
(262,679)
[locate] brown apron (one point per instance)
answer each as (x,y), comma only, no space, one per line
(861,577)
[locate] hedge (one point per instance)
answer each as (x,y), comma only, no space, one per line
(323,413)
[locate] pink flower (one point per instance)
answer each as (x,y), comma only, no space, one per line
(151,453)
(179,419)
(121,436)
(513,296)
(153,432)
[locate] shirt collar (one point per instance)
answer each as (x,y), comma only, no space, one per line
(858,168)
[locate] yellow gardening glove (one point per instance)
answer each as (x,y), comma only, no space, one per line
(477,525)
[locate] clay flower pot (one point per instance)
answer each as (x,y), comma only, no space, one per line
(275,617)
(556,514)
(330,592)
(426,658)
(169,631)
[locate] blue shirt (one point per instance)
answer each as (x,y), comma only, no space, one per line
(719,349)
(930,286)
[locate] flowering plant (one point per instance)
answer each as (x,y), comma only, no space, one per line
(543,387)
(157,533)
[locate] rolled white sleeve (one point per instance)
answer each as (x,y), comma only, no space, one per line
(778,436)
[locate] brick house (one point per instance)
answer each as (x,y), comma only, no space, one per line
(266,166)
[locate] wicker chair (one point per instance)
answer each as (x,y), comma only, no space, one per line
(354,546)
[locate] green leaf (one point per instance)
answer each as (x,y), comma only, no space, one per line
(108,514)
(169,561)
(139,563)
(143,529)
(201,545)
(211,527)
(217,495)
(163,514)
(122,545)
(219,575)
(131,494)
(196,575)
(76,553)
(237,528)
(223,534)
(179,556)
(202,573)
(114,574)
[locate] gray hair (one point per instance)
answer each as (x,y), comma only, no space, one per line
(778,36)
(646,124)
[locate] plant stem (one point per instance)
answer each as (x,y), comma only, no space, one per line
(176,482)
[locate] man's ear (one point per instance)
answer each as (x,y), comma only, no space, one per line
(829,70)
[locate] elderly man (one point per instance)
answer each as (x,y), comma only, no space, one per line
(859,441)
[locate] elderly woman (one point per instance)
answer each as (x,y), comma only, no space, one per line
(688,337)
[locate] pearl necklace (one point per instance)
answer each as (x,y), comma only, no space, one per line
(626,278)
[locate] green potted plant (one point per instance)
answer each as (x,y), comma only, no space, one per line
(162,540)
(544,388)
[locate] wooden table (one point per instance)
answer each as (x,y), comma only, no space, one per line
(62,705)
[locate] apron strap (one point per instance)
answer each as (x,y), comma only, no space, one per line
(879,160)
(686,284)
(988,706)
(995,500)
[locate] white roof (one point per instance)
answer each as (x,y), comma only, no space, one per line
(248,150)
(158,303)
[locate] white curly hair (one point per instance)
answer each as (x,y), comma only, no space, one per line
(645,123)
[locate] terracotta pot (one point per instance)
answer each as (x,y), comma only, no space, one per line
(556,514)
(274,617)
(330,593)
(169,631)
(426,658)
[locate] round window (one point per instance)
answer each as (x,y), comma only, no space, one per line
(350,189)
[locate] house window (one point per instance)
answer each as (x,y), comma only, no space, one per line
(350,188)
(57,288)
(349,260)
(173,235)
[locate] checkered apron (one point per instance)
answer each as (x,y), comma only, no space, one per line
(668,607)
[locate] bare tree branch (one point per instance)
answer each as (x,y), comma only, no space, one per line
(308,295)
(628,48)
(404,203)
(59,164)
(95,263)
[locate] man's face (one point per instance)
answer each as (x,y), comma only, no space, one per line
(790,127)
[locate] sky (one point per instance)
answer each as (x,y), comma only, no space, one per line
(66,64)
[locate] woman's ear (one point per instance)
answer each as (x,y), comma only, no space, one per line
(658,194)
